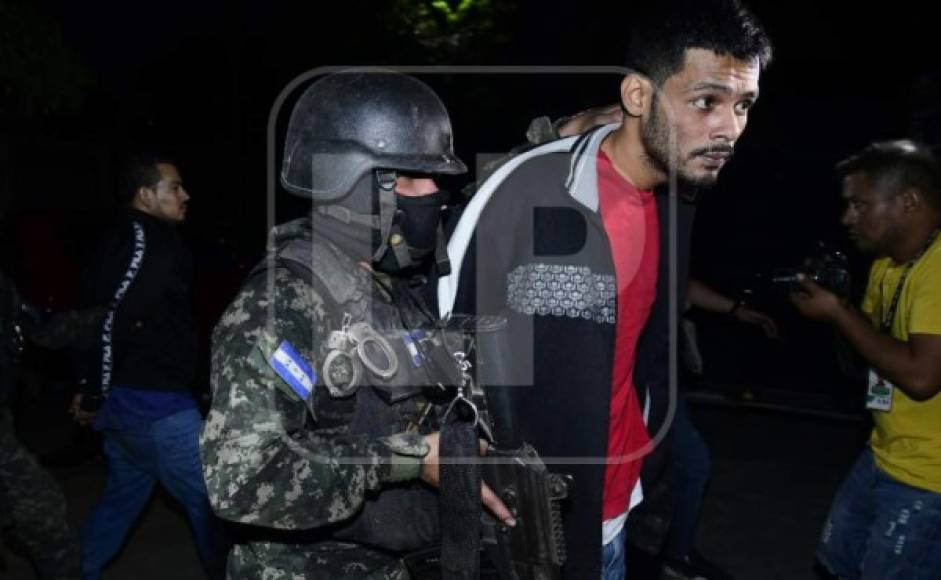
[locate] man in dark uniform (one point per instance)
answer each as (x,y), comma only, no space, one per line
(141,368)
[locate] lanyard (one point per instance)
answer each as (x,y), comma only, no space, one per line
(888,317)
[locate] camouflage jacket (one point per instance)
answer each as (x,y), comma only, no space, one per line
(298,471)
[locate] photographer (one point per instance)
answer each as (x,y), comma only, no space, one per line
(884,520)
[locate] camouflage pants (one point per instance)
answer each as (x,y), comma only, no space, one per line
(32,508)
(271,561)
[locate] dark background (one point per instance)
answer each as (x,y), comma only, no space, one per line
(81,84)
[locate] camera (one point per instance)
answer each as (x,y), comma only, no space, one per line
(828,268)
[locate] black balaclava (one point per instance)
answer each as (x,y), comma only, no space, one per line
(417,219)
(413,238)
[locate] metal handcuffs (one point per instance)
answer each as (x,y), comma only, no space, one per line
(352,348)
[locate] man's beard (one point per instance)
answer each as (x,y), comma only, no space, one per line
(655,137)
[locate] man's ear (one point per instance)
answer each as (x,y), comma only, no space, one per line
(144,197)
(912,200)
(636,94)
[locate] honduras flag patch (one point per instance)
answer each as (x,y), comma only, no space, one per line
(294,369)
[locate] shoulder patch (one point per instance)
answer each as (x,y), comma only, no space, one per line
(291,366)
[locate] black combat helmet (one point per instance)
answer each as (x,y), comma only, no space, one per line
(349,123)
(349,136)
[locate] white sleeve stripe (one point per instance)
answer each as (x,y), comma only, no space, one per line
(460,239)
(107,351)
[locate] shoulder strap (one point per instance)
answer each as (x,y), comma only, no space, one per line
(328,269)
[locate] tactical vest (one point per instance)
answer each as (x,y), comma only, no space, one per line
(403,517)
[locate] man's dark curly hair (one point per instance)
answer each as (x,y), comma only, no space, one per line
(664,30)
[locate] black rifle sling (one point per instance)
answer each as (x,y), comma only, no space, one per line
(459,498)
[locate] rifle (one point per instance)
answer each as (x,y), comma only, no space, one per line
(535,548)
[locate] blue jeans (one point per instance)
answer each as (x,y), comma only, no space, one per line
(167,451)
(613,563)
(882,529)
(692,469)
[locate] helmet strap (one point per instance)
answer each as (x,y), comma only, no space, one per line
(385,193)
(399,246)
(442,263)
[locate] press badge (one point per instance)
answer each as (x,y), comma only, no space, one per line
(879,395)
(294,369)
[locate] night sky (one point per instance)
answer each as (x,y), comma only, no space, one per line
(198,79)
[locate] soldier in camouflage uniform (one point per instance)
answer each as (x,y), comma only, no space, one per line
(322,435)
(32,506)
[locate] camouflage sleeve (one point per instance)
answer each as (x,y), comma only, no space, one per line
(261,465)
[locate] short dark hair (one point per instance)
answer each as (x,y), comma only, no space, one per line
(897,166)
(662,32)
(140,170)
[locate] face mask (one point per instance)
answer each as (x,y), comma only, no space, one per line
(419,218)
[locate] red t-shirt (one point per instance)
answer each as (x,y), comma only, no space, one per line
(630,220)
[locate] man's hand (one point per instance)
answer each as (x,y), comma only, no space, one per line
(914,366)
(430,474)
(815,301)
(83,418)
(749,316)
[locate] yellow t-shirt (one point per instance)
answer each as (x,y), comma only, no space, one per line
(906,440)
